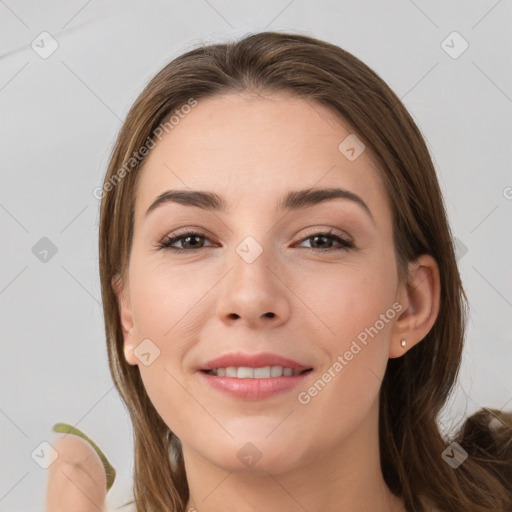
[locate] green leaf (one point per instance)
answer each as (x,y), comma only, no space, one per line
(64,428)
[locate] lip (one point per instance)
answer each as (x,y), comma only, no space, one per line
(252,389)
(253,361)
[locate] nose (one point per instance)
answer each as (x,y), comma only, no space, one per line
(254,294)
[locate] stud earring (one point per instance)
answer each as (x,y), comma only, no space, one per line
(403,343)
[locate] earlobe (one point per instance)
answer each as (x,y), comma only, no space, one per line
(126,318)
(421,299)
(129,354)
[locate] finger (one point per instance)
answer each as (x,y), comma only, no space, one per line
(76,480)
(109,469)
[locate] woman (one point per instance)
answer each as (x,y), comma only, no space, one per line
(283,310)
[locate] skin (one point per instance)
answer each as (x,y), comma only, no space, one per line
(76,480)
(195,306)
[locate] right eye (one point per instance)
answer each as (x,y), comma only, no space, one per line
(190,237)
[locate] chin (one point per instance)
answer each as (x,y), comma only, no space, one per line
(258,457)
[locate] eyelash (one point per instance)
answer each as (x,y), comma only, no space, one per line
(166,243)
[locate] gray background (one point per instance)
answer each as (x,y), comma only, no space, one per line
(59,118)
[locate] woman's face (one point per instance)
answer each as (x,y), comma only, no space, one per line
(259,285)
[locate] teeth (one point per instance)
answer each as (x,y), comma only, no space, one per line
(276,371)
(262,373)
(230,372)
(244,372)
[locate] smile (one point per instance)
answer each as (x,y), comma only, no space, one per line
(245,372)
(253,376)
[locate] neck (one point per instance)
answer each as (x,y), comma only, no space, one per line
(343,478)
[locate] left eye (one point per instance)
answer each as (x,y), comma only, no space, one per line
(318,237)
(189,237)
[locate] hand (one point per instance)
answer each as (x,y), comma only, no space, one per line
(76,480)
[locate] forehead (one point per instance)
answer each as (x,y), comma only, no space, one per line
(252,148)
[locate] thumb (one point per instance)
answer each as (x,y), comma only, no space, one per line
(81,475)
(110,472)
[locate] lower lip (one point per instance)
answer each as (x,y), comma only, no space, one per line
(253,389)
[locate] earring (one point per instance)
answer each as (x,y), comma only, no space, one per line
(403,343)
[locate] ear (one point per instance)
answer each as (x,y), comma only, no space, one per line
(126,317)
(420,299)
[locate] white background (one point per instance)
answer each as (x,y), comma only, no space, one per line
(59,119)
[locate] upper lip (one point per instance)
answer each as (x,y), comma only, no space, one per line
(259,360)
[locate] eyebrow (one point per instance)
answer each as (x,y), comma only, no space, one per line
(292,200)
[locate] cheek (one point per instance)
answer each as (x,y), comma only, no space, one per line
(165,301)
(344,300)
(355,314)
(169,308)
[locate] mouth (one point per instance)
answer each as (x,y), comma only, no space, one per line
(253,376)
(265,372)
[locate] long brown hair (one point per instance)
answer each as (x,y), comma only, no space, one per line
(416,385)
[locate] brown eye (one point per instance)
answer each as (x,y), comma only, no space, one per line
(189,241)
(324,241)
